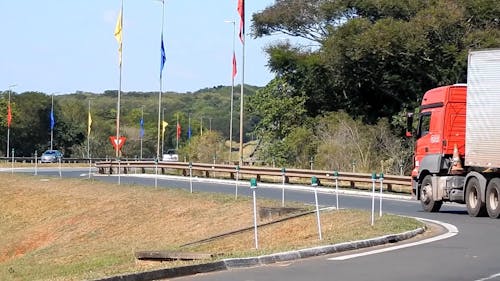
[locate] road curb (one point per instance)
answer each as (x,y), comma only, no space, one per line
(227,264)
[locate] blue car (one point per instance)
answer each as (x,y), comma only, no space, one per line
(51,156)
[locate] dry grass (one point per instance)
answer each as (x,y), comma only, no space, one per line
(55,229)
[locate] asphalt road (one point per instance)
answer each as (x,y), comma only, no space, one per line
(473,254)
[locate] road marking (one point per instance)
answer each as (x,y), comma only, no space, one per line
(451,231)
(489,277)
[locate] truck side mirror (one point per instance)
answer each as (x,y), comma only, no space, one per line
(409,124)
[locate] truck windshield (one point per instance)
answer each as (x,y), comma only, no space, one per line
(424,124)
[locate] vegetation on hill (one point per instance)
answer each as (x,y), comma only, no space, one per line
(337,103)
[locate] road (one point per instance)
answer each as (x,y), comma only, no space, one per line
(473,254)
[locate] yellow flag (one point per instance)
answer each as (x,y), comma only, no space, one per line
(90,124)
(118,35)
(164,125)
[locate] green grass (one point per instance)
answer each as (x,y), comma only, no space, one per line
(60,229)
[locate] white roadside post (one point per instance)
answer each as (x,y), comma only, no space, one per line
(156,172)
(236,182)
(119,177)
(36,162)
(12,162)
(191,177)
(336,176)
(374,178)
(314,183)
(283,175)
(381,193)
(90,167)
(253,186)
(60,167)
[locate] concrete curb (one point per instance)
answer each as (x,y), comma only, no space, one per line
(227,264)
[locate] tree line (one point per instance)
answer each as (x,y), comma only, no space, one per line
(337,102)
(342,96)
(205,110)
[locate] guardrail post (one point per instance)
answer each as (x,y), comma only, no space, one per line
(389,187)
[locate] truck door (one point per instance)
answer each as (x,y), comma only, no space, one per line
(423,140)
(429,133)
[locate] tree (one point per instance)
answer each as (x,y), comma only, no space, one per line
(279,112)
(376,57)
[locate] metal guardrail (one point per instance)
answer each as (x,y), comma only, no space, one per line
(110,167)
(31,159)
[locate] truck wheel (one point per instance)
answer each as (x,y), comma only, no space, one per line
(492,192)
(475,207)
(428,203)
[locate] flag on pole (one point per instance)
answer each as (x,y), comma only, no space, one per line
(163,57)
(164,125)
(189,133)
(141,130)
(9,116)
(178,130)
(234,65)
(52,119)
(241,11)
(89,124)
(118,34)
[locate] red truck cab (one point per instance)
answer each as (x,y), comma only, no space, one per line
(441,127)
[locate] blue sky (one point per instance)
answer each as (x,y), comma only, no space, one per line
(64,46)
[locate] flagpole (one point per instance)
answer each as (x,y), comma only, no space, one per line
(159,94)
(177,133)
(8,127)
(117,147)
(232,93)
(141,130)
(8,121)
(189,127)
(242,16)
(88,134)
(51,122)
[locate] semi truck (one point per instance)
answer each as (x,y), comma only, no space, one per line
(457,141)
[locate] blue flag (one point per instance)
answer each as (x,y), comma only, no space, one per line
(141,131)
(52,119)
(189,133)
(163,58)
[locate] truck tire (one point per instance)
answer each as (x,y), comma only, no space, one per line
(475,207)
(428,203)
(492,204)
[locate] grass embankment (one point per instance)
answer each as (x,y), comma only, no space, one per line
(53,229)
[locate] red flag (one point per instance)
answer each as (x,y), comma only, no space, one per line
(9,116)
(241,11)
(178,130)
(234,66)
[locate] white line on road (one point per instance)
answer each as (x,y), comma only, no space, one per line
(489,277)
(451,231)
